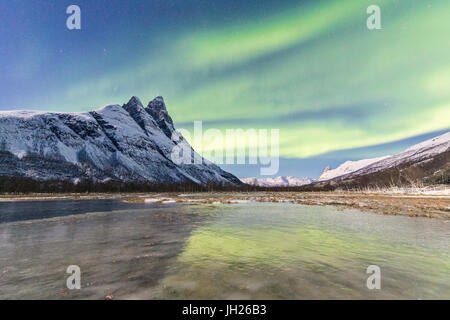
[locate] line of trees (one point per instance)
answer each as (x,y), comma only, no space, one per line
(24,185)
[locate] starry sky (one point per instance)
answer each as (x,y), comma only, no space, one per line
(336,90)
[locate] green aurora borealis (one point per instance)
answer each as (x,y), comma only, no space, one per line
(310,68)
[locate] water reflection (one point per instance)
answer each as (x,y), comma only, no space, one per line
(272,251)
(30,210)
(251,251)
(119,252)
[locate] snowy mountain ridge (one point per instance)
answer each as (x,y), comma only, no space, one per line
(287,181)
(347,167)
(126,143)
(413,154)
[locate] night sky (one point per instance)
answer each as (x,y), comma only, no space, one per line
(335,90)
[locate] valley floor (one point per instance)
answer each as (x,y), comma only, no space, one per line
(431,206)
(418,202)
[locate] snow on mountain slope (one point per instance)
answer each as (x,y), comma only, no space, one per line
(413,154)
(347,167)
(128,143)
(288,181)
(433,142)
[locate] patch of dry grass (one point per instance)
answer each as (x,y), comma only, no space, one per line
(382,202)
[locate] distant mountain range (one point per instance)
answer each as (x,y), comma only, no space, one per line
(119,143)
(424,163)
(288,181)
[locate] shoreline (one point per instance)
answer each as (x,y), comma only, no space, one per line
(406,204)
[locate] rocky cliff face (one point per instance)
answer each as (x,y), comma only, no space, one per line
(126,143)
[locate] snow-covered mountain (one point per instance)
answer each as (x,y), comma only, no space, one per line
(126,143)
(417,154)
(347,167)
(288,181)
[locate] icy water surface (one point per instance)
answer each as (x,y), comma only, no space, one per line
(225,251)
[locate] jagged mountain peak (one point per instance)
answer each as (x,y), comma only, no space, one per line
(136,110)
(157,102)
(134,101)
(128,143)
(157,109)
